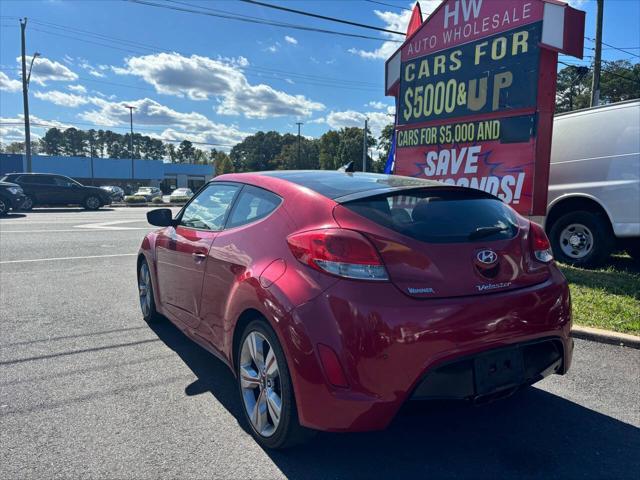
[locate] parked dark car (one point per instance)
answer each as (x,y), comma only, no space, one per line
(11,197)
(50,189)
(336,298)
(117,193)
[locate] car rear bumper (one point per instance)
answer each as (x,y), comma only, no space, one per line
(393,348)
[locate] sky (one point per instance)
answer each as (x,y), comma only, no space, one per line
(216,80)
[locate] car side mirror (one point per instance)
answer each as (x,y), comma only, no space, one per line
(161,217)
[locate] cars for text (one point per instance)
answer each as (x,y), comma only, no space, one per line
(50,189)
(11,197)
(337,297)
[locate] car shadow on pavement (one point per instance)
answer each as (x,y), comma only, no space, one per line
(533,434)
(12,215)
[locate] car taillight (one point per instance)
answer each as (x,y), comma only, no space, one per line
(540,244)
(340,252)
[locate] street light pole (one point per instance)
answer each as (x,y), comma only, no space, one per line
(131,109)
(299,138)
(597,59)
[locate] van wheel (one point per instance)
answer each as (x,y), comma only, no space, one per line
(581,239)
(265,388)
(27,204)
(92,203)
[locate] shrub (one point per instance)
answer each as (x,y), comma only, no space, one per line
(135,199)
(157,200)
(179,199)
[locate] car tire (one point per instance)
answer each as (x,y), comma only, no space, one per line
(581,239)
(146,294)
(92,203)
(28,203)
(260,390)
(4,207)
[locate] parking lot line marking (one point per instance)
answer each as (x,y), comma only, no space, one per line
(31,260)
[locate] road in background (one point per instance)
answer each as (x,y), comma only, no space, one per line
(88,390)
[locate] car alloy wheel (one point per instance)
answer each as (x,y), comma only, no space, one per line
(3,207)
(27,204)
(576,241)
(260,384)
(144,290)
(92,203)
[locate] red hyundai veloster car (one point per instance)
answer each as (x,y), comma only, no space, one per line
(337,297)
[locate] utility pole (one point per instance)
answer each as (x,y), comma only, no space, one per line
(364,146)
(299,139)
(595,86)
(131,109)
(25,95)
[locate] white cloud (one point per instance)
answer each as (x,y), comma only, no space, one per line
(291,40)
(394,21)
(93,71)
(62,99)
(8,84)
(77,88)
(577,3)
(272,48)
(200,78)
(151,113)
(352,118)
(15,133)
(45,70)
(376,105)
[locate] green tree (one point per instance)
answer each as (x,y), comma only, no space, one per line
(52,142)
(329,143)
(74,143)
(186,152)
(170,150)
(222,162)
(384,145)
(259,151)
(350,148)
(619,80)
(288,159)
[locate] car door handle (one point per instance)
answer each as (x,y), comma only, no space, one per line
(198,256)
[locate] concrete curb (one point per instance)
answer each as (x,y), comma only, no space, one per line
(158,205)
(606,336)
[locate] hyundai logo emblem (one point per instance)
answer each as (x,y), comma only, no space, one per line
(487,257)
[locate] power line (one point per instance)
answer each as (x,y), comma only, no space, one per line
(615,48)
(262,71)
(388,5)
(209,12)
(315,15)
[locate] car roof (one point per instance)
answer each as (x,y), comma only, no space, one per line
(345,186)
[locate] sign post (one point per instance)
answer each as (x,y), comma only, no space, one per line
(475,89)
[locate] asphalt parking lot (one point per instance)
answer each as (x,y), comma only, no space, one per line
(88,390)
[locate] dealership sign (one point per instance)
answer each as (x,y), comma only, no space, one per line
(475,89)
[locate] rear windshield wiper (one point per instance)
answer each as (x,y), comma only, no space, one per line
(482,232)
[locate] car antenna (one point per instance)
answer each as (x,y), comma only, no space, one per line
(347,167)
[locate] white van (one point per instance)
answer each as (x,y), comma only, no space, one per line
(594,184)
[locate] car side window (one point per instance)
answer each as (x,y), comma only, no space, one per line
(38,179)
(63,181)
(252,205)
(208,210)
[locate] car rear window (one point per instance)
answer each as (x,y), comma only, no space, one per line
(440,216)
